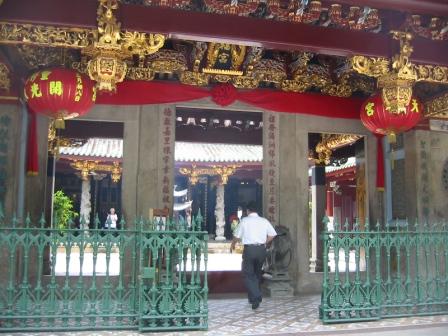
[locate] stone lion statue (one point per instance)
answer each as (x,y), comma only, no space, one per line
(279,254)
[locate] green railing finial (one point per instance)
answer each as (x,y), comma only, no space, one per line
(122,223)
(96,221)
(141,224)
(346,225)
(14,221)
(199,218)
(356,224)
(2,213)
(193,224)
(326,222)
(70,223)
(336,225)
(27,220)
(42,220)
(82,221)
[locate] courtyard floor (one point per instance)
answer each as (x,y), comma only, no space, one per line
(293,316)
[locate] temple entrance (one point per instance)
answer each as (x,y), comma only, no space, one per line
(84,183)
(218,171)
(337,190)
(88,168)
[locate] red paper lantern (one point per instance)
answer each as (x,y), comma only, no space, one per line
(60,94)
(380,121)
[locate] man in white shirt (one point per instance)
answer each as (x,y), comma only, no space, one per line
(254,232)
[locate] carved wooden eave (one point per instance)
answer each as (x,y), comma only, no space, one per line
(437,107)
(45,37)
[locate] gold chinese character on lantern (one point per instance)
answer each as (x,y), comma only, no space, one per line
(44,75)
(35,91)
(369,109)
(56,88)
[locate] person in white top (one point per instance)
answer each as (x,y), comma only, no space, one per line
(111,220)
(255,232)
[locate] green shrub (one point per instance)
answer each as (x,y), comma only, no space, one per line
(63,210)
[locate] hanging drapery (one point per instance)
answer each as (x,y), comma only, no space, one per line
(146,93)
(379,164)
(32,163)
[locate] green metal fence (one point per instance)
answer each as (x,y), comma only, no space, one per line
(149,278)
(394,272)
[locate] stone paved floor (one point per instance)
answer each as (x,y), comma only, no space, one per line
(297,316)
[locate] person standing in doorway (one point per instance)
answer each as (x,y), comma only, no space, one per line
(111,220)
(255,232)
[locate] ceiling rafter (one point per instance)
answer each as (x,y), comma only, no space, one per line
(222,28)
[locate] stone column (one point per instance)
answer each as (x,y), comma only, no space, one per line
(318,201)
(219,213)
(86,206)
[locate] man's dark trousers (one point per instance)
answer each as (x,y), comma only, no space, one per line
(253,259)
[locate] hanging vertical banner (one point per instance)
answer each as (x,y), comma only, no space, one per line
(270,166)
(166,146)
(424,179)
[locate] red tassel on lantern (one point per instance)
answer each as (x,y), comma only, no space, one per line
(379,164)
(32,164)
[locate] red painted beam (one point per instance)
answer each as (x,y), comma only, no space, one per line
(223,28)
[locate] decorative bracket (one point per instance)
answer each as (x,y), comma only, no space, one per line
(397,77)
(329,143)
(107,66)
(194,172)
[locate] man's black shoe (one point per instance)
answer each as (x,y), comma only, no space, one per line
(255,305)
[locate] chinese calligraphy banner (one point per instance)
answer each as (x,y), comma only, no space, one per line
(166,155)
(270,166)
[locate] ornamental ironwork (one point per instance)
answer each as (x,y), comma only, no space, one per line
(133,277)
(377,272)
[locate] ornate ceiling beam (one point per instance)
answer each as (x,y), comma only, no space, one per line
(437,107)
(223,28)
(432,7)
